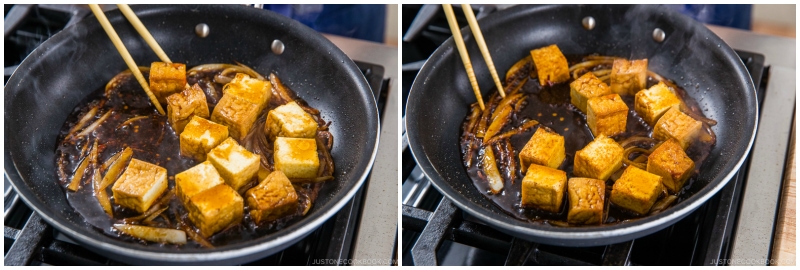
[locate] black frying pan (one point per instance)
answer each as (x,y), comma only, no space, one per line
(81,59)
(691,55)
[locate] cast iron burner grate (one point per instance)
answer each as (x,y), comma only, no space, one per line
(436,232)
(31,241)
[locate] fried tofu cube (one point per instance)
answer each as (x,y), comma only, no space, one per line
(251,89)
(636,190)
(290,120)
(296,157)
(196,179)
(215,209)
(607,115)
(236,165)
(598,159)
(677,125)
(543,188)
(185,104)
(586,200)
(628,77)
(671,163)
(545,148)
(652,103)
(551,65)
(140,185)
(272,198)
(166,79)
(237,114)
(200,136)
(586,87)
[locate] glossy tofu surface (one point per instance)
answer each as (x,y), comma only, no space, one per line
(296,157)
(271,199)
(636,190)
(671,163)
(236,165)
(140,185)
(607,115)
(679,126)
(183,105)
(200,136)
(215,209)
(251,89)
(545,147)
(551,65)
(586,200)
(628,77)
(543,188)
(237,114)
(652,103)
(290,120)
(196,179)
(167,79)
(598,159)
(585,87)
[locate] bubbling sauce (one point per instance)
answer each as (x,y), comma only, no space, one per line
(551,107)
(153,140)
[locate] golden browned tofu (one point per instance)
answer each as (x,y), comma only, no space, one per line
(628,77)
(236,165)
(185,104)
(586,200)
(237,114)
(652,103)
(272,198)
(545,148)
(671,163)
(551,65)
(166,79)
(677,125)
(543,188)
(140,185)
(586,87)
(296,157)
(215,209)
(636,190)
(251,89)
(200,136)
(607,115)
(598,159)
(196,179)
(290,120)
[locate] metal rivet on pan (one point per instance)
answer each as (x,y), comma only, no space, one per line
(588,22)
(201,30)
(659,35)
(277,47)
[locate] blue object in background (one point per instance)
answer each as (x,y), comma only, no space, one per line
(737,16)
(357,21)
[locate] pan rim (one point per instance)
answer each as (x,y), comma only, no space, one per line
(224,254)
(573,236)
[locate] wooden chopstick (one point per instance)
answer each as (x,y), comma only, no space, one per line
(476,31)
(137,24)
(101,17)
(462,50)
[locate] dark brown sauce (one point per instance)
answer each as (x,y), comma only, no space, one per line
(154,141)
(551,106)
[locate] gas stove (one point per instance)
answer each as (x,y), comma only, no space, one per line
(342,240)
(734,227)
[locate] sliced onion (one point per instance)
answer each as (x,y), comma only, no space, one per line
(153,234)
(492,173)
(94,125)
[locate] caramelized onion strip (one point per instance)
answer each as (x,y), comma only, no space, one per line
(85,119)
(492,173)
(589,64)
(94,125)
(75,184)
(153,234)
(325,154)
(116,168)
(280,89)
(662,204)
(522,128)
(131,120)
